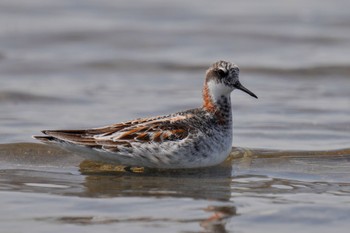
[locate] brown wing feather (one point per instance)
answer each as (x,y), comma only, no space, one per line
(155,131)
(110,137)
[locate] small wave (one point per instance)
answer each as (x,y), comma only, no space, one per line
(312,70)
(36,154)
(143,65)
(192,67)
(238,152)
(23,97)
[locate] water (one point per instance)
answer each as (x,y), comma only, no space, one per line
(77,64)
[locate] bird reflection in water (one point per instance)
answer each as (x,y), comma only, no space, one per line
(212,184)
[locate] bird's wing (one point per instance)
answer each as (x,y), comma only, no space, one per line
(110,138)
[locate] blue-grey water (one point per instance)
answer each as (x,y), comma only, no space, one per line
(77,64)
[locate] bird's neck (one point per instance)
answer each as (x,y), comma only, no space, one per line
(217,100)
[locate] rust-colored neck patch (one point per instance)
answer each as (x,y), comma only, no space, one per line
(208,103)
(220,110)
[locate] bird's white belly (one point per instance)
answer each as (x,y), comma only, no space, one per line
(201,151)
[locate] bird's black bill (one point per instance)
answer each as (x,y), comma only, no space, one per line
(242,88)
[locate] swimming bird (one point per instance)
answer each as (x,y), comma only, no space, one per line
(199,137)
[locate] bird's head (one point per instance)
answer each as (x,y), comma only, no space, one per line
(222,78)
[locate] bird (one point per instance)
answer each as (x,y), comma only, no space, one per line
(195,138)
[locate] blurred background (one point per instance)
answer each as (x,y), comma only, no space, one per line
(68,64)
(77,64)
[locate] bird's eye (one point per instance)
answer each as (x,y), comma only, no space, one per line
(222,73)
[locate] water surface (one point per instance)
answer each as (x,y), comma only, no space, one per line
(80,64)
